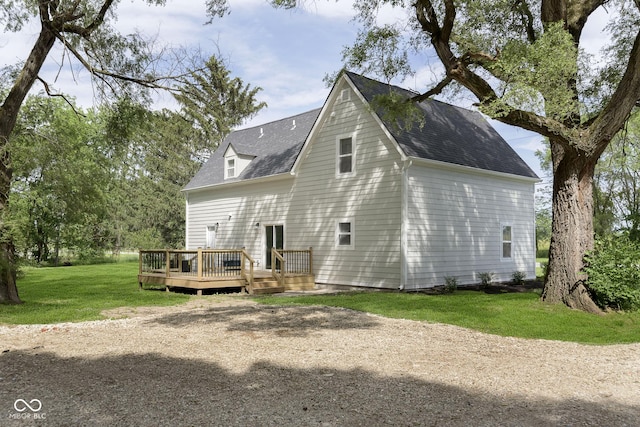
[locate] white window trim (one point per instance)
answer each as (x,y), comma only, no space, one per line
(502,242)
(345,95)
(352,233)
(226,167)
(353,155)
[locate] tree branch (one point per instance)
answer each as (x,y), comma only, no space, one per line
(524,9)
(148,82)
(50,93)
(437,89)
(624,99)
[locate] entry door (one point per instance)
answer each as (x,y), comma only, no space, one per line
(211,236)
(275,239)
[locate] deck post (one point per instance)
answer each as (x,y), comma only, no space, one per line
(139,269)
(310,260)
(167,259)
(200,266)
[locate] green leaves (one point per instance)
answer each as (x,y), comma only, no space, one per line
(539,76)
(214,102)
(614,272)
(379,51)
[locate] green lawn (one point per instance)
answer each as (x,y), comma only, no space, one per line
(79,293)
(507,314)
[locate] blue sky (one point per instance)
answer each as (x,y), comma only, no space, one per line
(286,53)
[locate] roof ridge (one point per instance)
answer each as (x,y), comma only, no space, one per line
(378,82)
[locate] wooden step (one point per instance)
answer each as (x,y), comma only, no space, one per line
(266,285)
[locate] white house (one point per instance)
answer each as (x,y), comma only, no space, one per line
(381,207)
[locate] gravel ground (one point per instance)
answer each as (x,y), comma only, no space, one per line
(228,361)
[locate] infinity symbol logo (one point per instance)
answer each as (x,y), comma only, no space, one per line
(22,405)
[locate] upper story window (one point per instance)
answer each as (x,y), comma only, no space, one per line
(507,241)
(345,162)
(230,170)
(345,95)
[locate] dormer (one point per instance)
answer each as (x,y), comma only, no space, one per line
(234,162)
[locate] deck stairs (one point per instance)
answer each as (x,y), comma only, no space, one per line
(266,284)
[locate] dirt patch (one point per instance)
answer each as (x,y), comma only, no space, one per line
(229,361)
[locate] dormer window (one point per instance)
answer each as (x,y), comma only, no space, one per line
(230,170)
(235,163)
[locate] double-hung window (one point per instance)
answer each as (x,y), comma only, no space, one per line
(345,234)
(345,165)
(231,168)
(507,242)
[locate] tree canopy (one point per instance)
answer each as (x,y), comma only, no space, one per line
(122,66)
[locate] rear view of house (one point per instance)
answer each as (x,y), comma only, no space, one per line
(380,206)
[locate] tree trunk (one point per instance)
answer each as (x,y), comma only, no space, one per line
(572,229)
(8,116)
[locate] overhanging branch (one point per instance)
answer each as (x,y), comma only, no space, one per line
(60,95)
(436,90)
(150,82)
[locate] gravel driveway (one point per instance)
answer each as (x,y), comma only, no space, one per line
(228,361)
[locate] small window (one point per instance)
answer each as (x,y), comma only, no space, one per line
(345,95)
(344,234)
(231,168)
(346,156)
(507,241)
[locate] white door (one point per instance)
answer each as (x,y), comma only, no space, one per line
(274,238)
(211,237)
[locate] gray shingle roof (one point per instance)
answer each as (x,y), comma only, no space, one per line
(274,152)
(450,134)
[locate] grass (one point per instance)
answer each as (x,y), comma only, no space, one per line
(79,293)
(507,314)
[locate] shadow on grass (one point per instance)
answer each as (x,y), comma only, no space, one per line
(151,389)
(291,320)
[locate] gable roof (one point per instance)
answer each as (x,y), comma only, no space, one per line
(274,147)
(450,134)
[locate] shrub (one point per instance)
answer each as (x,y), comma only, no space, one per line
(518,277)
(486,278)
(450,284)
(613,268)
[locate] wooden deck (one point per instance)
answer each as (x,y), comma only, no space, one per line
(204,269)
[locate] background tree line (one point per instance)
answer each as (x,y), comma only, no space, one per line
(110,178)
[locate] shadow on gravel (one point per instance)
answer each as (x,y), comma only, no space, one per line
(150,389)
(295,321)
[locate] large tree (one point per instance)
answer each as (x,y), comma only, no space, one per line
(84,28)
(523,62)
(119,64)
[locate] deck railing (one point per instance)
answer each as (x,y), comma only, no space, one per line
(199,264)
(292,261)
(203,265)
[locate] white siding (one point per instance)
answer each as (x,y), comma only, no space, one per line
(371,198)
(236,209)
(454,223)
(310,204)
(452,218)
